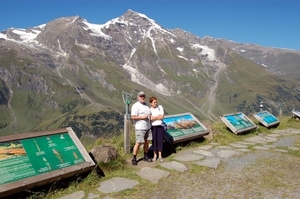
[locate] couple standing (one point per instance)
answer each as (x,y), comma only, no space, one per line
(144,118)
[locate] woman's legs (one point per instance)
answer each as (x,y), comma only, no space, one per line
(154,142)
(160,141)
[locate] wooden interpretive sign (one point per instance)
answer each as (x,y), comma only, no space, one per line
(266,118)
(38,158)
(238,123)
(296,114)
(183,127)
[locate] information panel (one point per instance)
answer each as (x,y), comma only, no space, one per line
(296,114)
(30,159)
(266,118)
(184,127)
(238,122)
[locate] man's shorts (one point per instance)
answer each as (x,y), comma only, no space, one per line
(142,135)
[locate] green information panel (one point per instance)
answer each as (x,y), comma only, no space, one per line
(184,127)
(29,157)
(33,159)
(266,118)
(238,122)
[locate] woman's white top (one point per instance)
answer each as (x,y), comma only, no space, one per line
(158,110)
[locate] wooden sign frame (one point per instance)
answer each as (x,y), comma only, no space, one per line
(238,122)
(266,118)
(296,114)
(43,157)
(183,127)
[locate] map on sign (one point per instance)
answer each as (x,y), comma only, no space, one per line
(238,122)
(29,157)
(266,118)
(184,126)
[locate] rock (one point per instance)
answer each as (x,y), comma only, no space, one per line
(104,153)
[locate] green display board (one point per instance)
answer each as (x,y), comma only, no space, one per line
(33,156)
(184,127)
(33,159)
(238,122)
(266,118)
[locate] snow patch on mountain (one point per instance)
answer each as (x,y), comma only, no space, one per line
(183,57)
(179,49)
(27,36)
(210,53)
(96,29)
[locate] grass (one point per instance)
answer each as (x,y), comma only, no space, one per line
(121,168)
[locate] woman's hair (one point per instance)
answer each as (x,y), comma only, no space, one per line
(151,99)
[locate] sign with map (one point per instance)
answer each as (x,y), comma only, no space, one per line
(30,159)
(183,127)
(238,123)
(266,118)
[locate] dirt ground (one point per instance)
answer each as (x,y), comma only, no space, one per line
(256,174)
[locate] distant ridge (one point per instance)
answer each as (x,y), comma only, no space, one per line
(69,72)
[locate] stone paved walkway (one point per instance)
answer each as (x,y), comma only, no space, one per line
(208,155)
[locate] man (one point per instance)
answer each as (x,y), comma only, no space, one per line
(140,114)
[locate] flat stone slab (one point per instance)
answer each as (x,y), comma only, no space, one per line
(223,147)
(107,197)
(203,152)
(237,145)
(293,131)
(243,150)
(205,147)
(282,132)
(261,148)
(152,174)
(214,143)
(188,157)
(255,139)
(93,196)
(270,139)
(272,146)
(273,135)
(77,195)
(173,165)
(116,184)
(245,143)
(294,148)
(209,162)
(227,153)
(281,150)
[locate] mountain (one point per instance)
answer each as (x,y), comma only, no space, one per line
(70,72)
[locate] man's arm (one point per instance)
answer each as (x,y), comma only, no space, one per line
(139,117)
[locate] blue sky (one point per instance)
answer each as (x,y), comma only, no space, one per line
(272,23)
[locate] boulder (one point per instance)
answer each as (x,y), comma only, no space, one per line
(104,153)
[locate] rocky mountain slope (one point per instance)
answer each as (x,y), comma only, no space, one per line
(69,72)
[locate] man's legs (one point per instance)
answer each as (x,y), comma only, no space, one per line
(148,136)
(140,138)
(135,150)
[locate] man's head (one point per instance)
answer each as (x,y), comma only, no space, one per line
(141,96)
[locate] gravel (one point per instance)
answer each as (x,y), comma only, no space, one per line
(255,174)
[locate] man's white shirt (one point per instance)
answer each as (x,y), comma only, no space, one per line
(141,109)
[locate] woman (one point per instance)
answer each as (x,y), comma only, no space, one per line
(157,115)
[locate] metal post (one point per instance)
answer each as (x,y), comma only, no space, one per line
(280,109)
(261,106)
(293,107)
(127,100)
